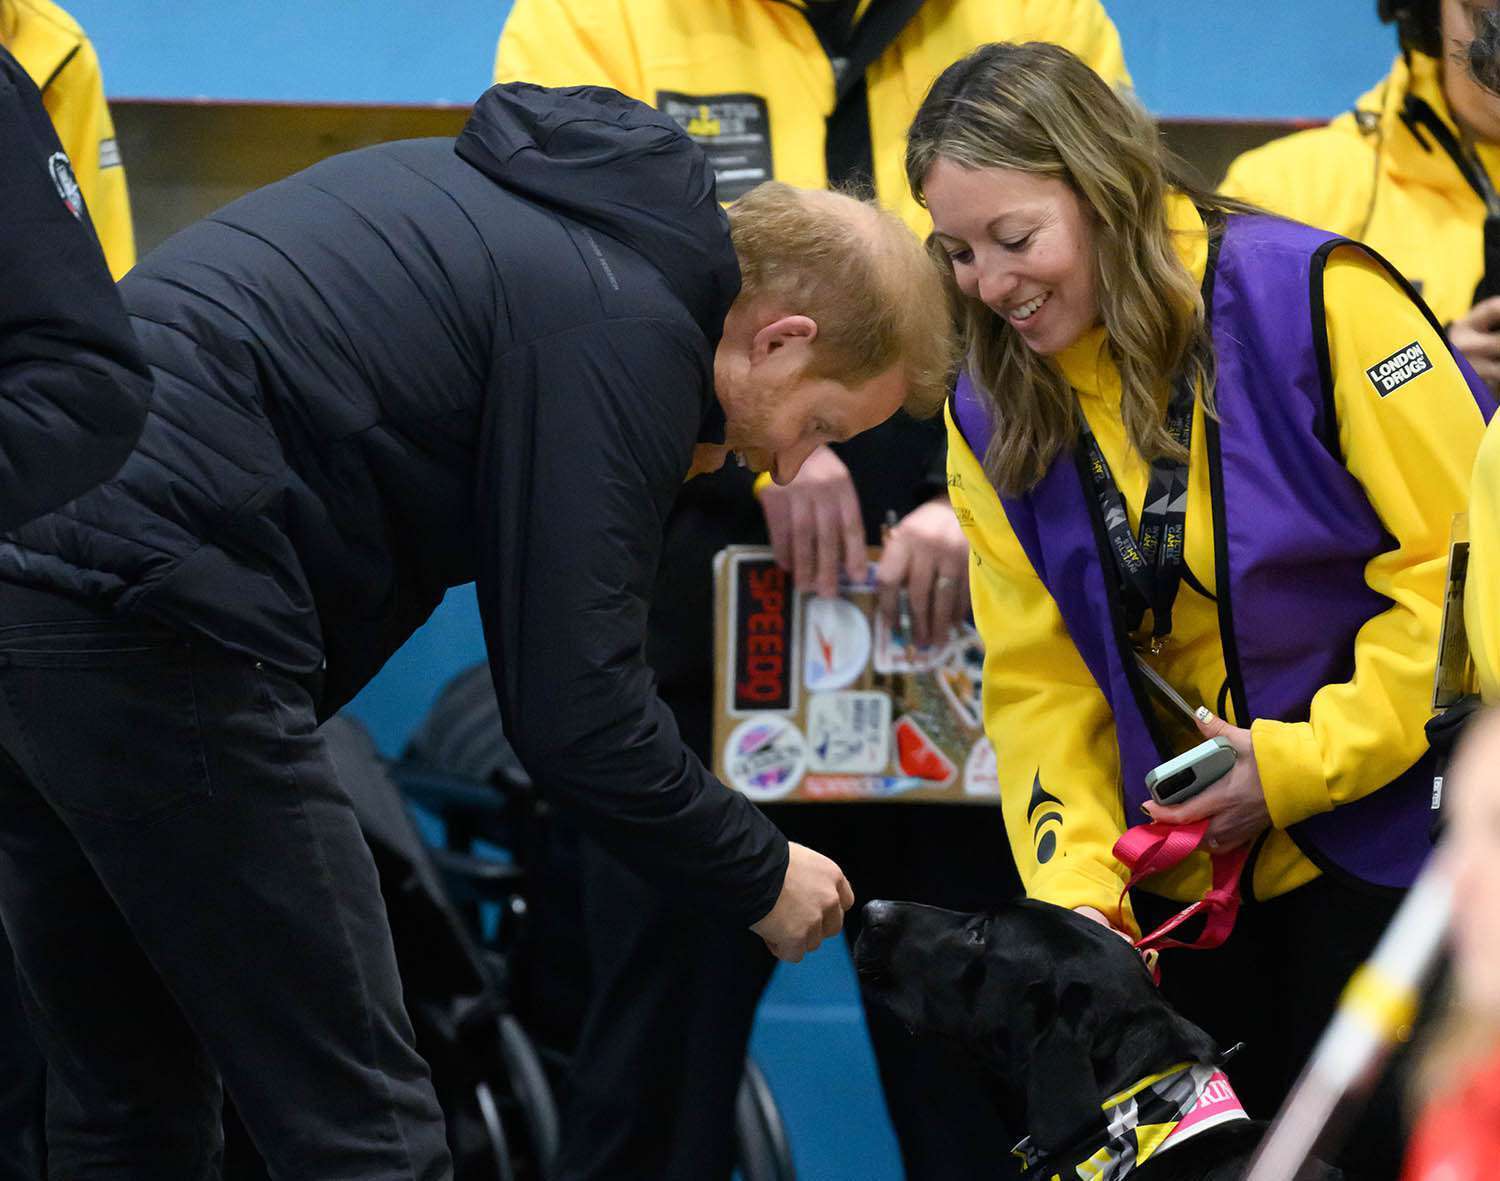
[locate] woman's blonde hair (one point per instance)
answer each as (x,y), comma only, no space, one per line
(1036,108)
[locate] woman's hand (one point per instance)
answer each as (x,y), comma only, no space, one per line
(1235,806)
(927,555)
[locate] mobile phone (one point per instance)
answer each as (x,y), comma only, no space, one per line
(1180,779)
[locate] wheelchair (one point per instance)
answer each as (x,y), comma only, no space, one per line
(477,820)
(496,851)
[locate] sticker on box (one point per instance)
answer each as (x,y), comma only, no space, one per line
(981,771)
(837,644)
(961,677)
(848,732)
(919,756)
(765,757)
(894,653)
(761,665)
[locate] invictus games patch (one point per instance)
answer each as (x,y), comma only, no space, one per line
(67,184)
(1400,367)
(734,131)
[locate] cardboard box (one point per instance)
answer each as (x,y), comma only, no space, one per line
(819,699)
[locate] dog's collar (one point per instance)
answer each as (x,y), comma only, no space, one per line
(1159,1112)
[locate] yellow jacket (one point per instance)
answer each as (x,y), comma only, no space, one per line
(1049,721)
(729,68)
(1368,176)
(61,61)
(1482,590)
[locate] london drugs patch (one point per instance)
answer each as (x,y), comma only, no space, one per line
(734,131)
(1400,367)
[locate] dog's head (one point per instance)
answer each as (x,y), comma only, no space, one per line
(1060,1009)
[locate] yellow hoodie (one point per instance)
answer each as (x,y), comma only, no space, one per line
(1049,721)
(1369,176)
(753,70)
(57,54)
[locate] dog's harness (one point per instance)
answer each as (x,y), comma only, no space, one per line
(1159,1112)
(1152,848)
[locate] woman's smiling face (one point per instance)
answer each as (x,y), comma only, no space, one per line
(1021,244)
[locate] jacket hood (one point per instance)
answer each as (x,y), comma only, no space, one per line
(1380,109)
(619,167)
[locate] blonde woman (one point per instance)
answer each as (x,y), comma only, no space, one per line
(1305,434)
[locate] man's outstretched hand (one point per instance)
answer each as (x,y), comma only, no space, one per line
(814,896)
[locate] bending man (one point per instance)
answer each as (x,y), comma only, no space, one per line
(408,367)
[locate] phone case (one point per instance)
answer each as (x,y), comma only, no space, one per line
(1185,776)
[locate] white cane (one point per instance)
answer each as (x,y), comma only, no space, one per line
(1375,1012)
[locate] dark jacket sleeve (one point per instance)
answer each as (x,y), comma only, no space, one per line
(589,436)
(73,387)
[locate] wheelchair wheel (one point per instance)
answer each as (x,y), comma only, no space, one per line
(760,1137)
(532,1092)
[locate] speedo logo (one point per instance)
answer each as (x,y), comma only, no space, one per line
(1399,368)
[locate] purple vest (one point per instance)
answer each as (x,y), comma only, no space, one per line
(1293,532)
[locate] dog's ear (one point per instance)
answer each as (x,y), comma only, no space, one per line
(1063,1100)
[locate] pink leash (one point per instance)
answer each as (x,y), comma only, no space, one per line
(1147,849)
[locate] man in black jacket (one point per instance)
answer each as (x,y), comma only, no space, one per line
(407,367)
(73,394)
(73,388)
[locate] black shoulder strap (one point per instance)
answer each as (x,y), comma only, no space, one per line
(883,22)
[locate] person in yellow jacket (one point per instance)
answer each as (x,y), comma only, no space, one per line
(816,93)
(1301,413)
(1482,584)
(1411,170)
(58,55)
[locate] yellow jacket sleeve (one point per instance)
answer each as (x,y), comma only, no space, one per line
(584,42)
(75,101)
(1482,590)
(1412,449)
(1052,730)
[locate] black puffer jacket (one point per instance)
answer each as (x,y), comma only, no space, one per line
(428,362)
(73,387)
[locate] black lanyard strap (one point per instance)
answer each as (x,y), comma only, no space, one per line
(1150,563)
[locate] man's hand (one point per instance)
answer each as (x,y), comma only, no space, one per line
(1477,337)
(1236,803)
(1093,912)
(814,896)
(927,554)
(815,524)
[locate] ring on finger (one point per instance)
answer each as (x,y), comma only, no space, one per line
(945,581)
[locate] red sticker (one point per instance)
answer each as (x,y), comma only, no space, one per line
(919,756)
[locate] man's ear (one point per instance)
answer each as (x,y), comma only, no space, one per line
(780,332)
(1063,1101)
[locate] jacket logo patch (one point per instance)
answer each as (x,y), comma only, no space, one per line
(1400,367)
(1048,805)
(109,154)
(734,131)
(67,184)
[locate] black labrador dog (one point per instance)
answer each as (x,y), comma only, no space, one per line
(1062,1013)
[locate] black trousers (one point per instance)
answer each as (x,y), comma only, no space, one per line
(189,899)
(662,1047)
(1273,986)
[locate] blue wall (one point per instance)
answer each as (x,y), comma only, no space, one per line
(1271,58)
(1281,58)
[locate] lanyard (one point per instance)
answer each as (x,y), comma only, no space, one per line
(1150,564)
